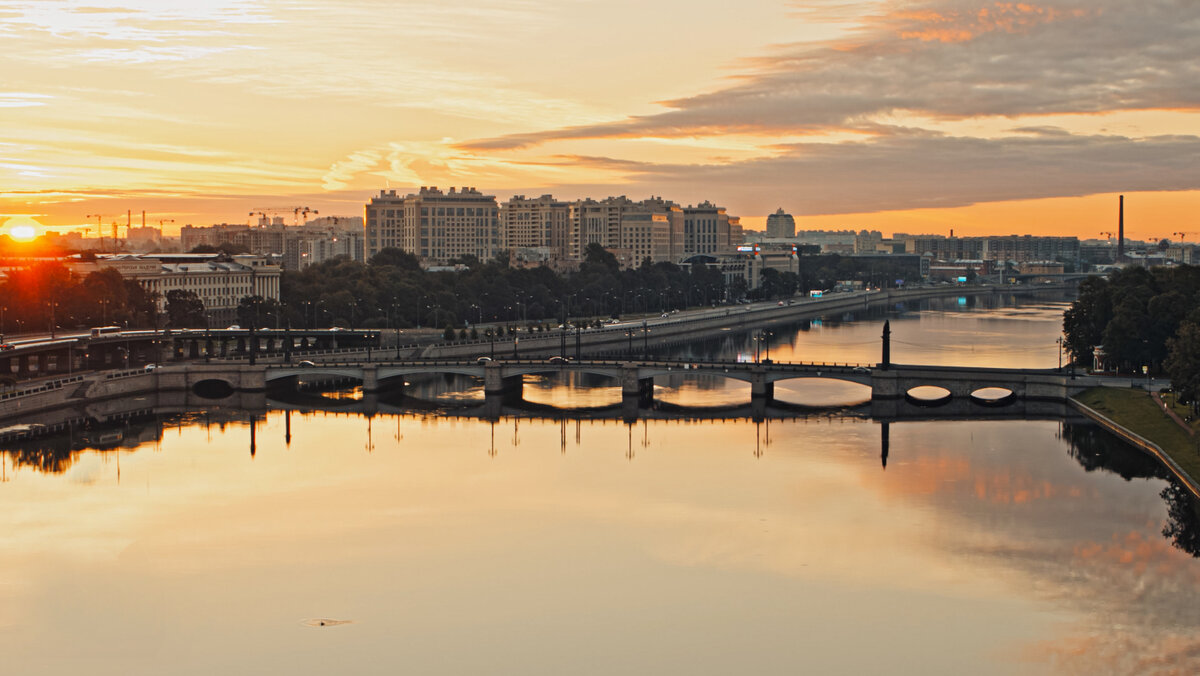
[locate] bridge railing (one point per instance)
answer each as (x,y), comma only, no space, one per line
(57,384)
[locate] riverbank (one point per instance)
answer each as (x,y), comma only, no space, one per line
(1133,415)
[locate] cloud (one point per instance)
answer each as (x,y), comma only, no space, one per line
(924,171)
(22,99)
(946,59)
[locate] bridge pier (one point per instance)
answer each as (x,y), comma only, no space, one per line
(885,385)
(370,379)
(494,382)
(635,389)
(760,388)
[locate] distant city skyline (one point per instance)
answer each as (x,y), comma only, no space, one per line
(921,117)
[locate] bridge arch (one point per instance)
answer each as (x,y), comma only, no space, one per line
(993,396)
(928,395)
(213,388)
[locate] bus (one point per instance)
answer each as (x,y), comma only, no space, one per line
(98,331)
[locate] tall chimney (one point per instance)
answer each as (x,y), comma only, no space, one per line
(1121,229)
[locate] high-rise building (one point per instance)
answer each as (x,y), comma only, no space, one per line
(436,227)
(706,229)
(632,231)
(780,224)
(540,223)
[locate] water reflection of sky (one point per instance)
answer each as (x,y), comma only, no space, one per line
(592,547)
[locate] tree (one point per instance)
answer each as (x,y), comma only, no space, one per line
(258,312)
(1084,322)
(1183,361)
(395,257)
(598,255)
(184,309)
(224,248)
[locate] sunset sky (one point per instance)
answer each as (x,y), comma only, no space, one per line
(912,116)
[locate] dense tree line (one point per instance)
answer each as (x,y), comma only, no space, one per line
(393,290)
(1141,318)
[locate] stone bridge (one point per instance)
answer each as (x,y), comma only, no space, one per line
(893,382)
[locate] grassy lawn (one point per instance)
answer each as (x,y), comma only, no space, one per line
(1136,411)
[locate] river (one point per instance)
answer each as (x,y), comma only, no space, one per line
(426,543)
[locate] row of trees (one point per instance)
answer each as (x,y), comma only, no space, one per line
(1141,318)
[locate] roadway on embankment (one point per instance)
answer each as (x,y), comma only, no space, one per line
(690,325)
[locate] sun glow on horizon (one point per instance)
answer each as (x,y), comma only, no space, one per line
(22,228)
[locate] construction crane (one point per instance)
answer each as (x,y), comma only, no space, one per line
(1183,235)
(265,213)
(99,226)
(160,225)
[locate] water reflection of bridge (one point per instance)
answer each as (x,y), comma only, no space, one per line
(499,407)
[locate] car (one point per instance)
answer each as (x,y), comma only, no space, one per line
(482,360)
(664,315)
(557,360)
(5,347)
(306,364)
(150,367)
(235,327)
(861,369)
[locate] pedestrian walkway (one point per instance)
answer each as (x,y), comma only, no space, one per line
(1174,416)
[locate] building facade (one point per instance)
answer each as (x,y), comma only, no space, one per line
(538,223)
(781,225)
(435,226)
(219,280)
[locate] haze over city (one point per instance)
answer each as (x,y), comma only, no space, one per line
(985,117)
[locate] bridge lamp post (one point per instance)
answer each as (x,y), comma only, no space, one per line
(1060,345)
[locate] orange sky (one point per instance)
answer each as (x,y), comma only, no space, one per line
(914,116)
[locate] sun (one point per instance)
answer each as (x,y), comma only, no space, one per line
(22,228)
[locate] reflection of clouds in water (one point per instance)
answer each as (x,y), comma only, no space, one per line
(1121,650)
(558,391)
(1090,544)
(701,391)
(821,392)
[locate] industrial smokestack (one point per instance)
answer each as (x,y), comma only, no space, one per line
(1121,229)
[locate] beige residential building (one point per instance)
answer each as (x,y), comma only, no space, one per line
(537,223)
(633,231)
(435,226)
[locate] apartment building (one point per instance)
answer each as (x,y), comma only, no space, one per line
(435,226)
(781,225)
(537,223)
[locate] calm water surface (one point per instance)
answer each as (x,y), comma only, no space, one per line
(442,545)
